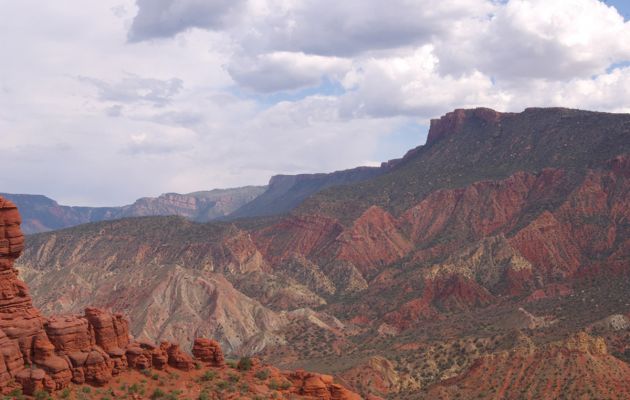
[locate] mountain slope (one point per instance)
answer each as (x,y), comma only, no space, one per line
(285,192)
(577,368)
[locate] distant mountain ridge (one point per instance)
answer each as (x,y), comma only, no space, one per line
(42,214)
(283,194)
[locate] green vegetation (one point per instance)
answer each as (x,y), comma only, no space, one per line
(245,364)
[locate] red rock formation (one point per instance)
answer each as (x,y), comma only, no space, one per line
(11,362)
(177,358)
(410,312)
(319,387)
(45,357)
(481,209)
(304,234)
(454,122)
(208,351)
(587,226)
(111,330)
(20,322)
(372,242)
(96,346)
(137,357)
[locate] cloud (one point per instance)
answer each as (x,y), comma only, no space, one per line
(136,89)
(161,144)
(555,40)
(165,18)
(348,28)
(281,71)
(410,84)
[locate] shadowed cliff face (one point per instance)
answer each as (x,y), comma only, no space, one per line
(501,222)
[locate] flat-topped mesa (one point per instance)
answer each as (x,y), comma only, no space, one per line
(454,122)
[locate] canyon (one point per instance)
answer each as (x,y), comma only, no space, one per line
(502,240)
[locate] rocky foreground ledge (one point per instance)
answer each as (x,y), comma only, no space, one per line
(40,354)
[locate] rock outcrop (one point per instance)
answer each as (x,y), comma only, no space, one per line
(317,386)
(455,121)
(41,353)
(208,351)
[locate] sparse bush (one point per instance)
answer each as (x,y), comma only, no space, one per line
(208,376)
(157,394)
(42,395)
(263,374)
(221,385)
(245,364)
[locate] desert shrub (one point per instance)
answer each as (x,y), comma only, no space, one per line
(263,374)
(245,364)
(42,395)
(233,377)
(222,385)
(208,376)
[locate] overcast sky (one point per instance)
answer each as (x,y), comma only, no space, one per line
(102,102)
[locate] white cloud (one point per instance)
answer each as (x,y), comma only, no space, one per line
(165,18)
(136,89)
(527,39)
(279,71)
(351,27)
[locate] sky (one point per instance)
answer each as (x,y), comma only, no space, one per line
(105,102)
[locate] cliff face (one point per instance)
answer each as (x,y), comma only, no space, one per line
(89,348)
